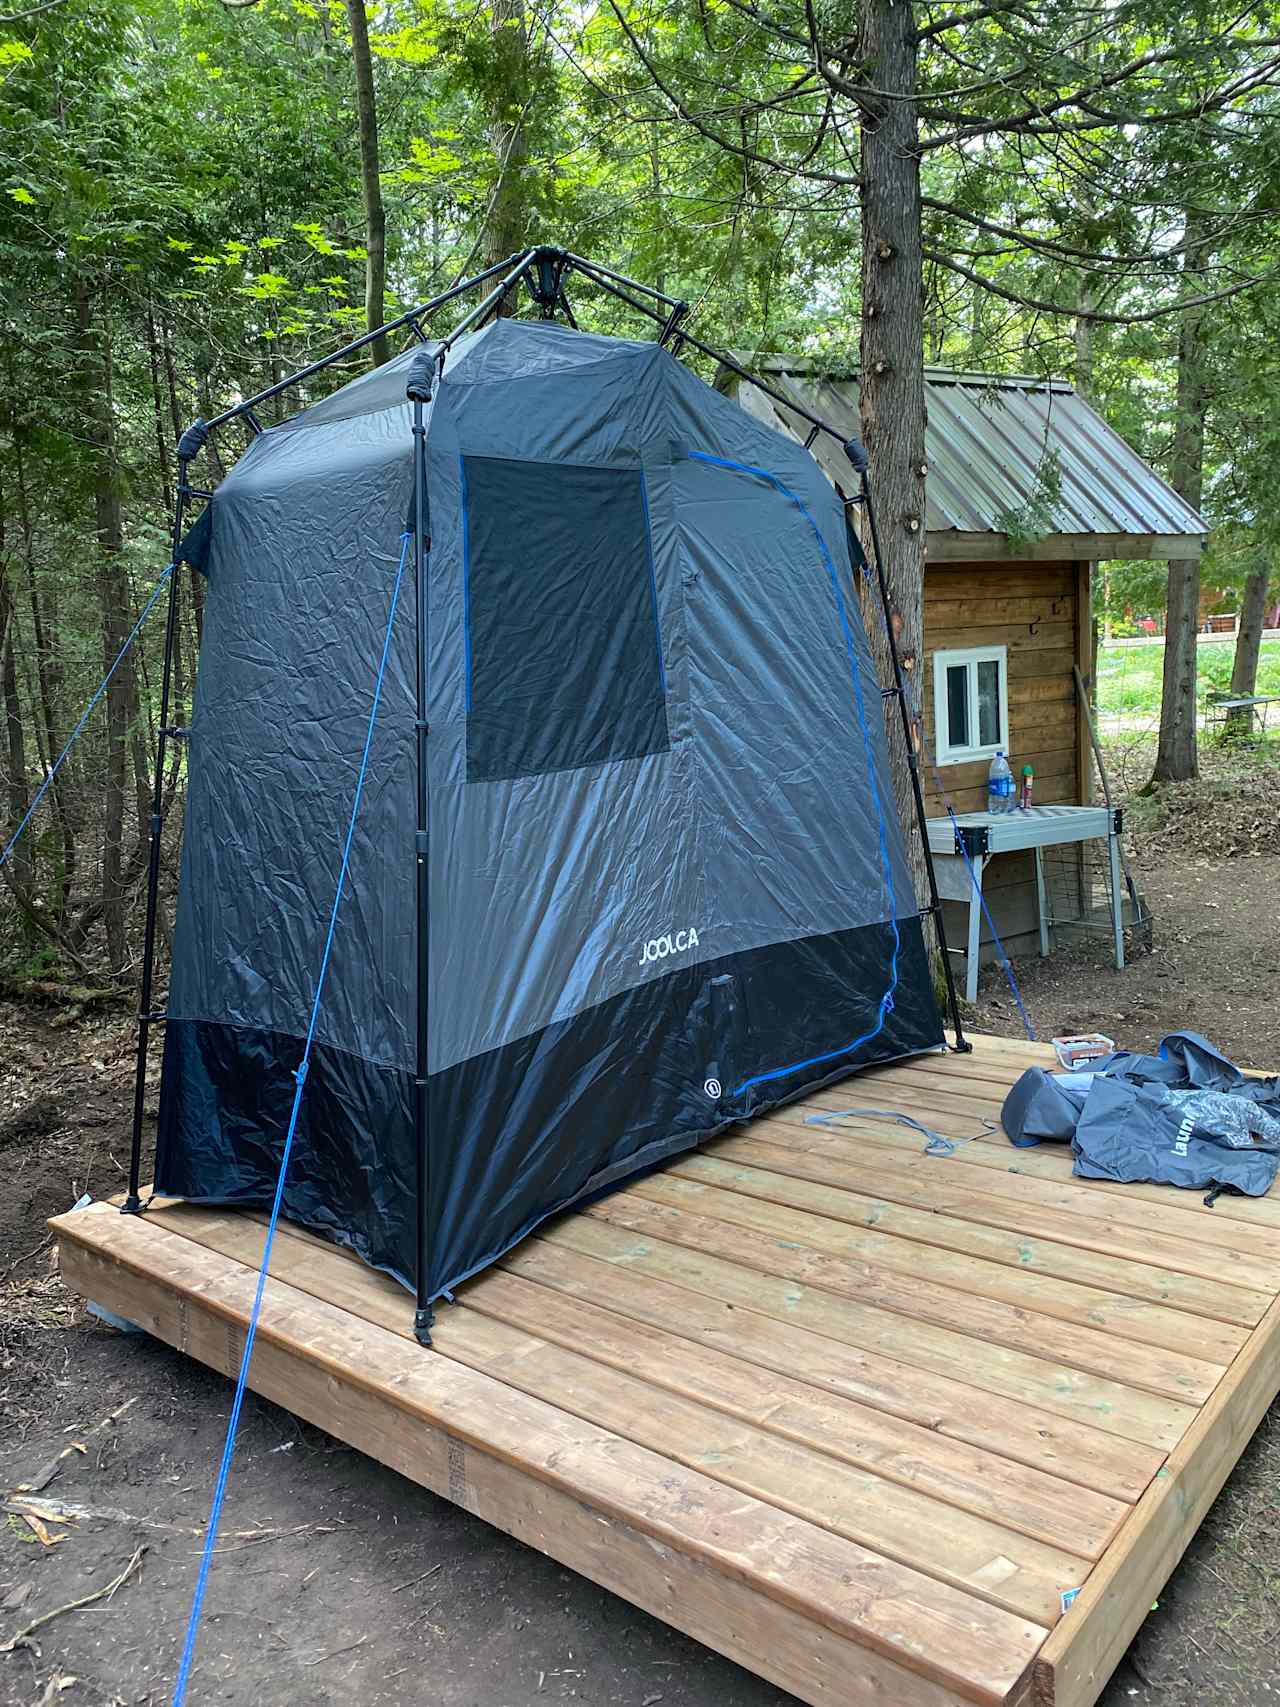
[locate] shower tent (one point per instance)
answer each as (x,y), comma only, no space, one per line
(666,883)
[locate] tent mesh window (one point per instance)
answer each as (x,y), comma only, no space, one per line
(563,645)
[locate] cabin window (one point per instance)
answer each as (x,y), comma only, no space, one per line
(971,703)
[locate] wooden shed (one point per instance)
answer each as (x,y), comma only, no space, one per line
(1006,619)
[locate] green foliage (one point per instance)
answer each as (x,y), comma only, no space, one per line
(182,196)
(1129,676)
(1035,518)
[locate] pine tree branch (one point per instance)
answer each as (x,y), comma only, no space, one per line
(1051,247)
(958,20)
(1032,120)
(798,169)
(1095,316)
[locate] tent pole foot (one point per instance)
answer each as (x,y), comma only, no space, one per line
(422,1322)
(132,1204)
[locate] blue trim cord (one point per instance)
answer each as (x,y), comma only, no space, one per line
(300,1077)
(1006,964)
(885,1007)
(88,711)
(466,584)
(653,578)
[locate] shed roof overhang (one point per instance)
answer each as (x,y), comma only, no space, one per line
(988,441)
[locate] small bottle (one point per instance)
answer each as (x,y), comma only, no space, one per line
(999,784)
(1028,778)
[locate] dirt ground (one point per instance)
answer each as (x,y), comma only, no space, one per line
(336,1580)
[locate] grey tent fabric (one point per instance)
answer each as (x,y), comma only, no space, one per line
(668,887)
(1185,1116)
(1134,1131)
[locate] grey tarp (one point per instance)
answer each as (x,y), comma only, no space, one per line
(667,883)
(1185,1116)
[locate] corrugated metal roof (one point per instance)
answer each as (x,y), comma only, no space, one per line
(986,438)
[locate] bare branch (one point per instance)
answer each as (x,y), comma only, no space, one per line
(1094,315)
(958,20)
(31,12)
(787,168)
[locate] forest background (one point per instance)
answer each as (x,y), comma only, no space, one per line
(199,196)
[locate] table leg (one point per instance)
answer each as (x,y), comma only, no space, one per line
(1117,906)
(975,927)
(1042,908)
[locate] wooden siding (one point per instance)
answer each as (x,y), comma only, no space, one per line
(1039,611)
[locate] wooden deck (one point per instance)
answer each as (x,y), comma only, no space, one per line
(856,1416)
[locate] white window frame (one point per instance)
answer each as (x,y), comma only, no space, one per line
(972,656)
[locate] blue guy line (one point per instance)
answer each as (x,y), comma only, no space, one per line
(88,711)
(886,1001)
(1005,963)
(224,1469)
(653,579)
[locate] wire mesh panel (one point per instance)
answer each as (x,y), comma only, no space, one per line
(1078,898)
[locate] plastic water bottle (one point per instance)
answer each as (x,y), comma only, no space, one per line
(999,785)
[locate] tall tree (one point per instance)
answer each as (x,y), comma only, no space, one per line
(891,386)
(995,105)
(510,90)
(1253,611)
(1176,756)
(375,218)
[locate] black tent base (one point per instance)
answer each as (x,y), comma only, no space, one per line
(542,271)
(802,1395)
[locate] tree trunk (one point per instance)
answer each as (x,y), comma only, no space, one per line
(507,219)
(113,602)
(891,383)
(157,405)
(20,862)
(48,676)
(1176,759)
(375,219)
(1244,671)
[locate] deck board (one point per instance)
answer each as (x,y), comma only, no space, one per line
(938,1211)
(854,1415)
(907,1243)
(1075,1213)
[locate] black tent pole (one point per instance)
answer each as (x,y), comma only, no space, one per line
(423,371)
(482,309)
(418,390)
(602,272)
(673,323)
(247,405)
(188,445)
(858,458)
